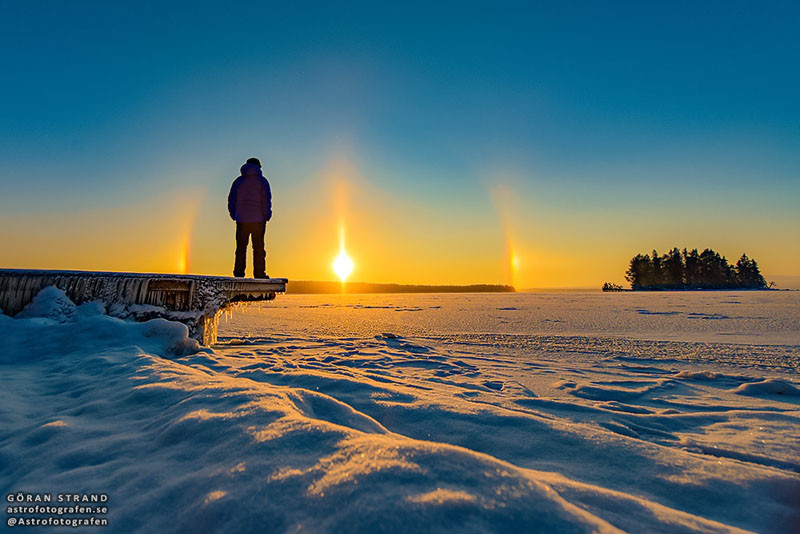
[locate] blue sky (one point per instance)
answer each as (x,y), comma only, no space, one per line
(584,109)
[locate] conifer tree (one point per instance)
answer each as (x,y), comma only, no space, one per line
(656,274)
(690,270)
(747,274)
(672,266)
(691,261)
(637,271)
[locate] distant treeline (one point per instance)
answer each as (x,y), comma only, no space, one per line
(692,270)
(307,287)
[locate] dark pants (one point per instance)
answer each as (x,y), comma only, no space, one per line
(245,232)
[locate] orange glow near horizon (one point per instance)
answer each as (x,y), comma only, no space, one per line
(513,264)
(188,216)
(393,234)
(184,256)
(503,199)
(342,265)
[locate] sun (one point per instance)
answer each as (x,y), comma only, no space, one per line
(343,265)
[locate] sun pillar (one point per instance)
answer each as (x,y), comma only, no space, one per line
(342,265)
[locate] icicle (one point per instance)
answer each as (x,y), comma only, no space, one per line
(198,301)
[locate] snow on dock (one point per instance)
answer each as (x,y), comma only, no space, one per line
(196,301)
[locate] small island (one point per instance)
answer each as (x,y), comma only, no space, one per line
(678,270)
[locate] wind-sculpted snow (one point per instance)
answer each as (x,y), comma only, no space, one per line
(769,387)
(384,427)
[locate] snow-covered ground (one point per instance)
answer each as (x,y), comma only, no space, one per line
(557,412)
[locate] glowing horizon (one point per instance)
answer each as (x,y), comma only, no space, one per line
(342,265)
(446,166)
(392,247)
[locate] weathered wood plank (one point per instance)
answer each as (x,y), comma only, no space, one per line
(192,299)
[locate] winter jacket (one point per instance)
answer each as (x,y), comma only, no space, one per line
(250,199)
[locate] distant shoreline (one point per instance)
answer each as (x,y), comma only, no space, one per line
(309,287)
(695,289)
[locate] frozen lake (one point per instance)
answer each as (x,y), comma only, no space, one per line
(703,376)
(752,317)
(548,412)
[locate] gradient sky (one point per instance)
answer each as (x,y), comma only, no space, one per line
(447,138)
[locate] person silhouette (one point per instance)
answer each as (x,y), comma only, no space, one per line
(250,205)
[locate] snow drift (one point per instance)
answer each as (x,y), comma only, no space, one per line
(381,433)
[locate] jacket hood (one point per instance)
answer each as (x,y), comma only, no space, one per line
(250,169)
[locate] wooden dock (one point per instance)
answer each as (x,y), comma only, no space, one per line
(197,301)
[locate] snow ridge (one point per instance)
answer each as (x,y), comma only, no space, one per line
(386,432)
